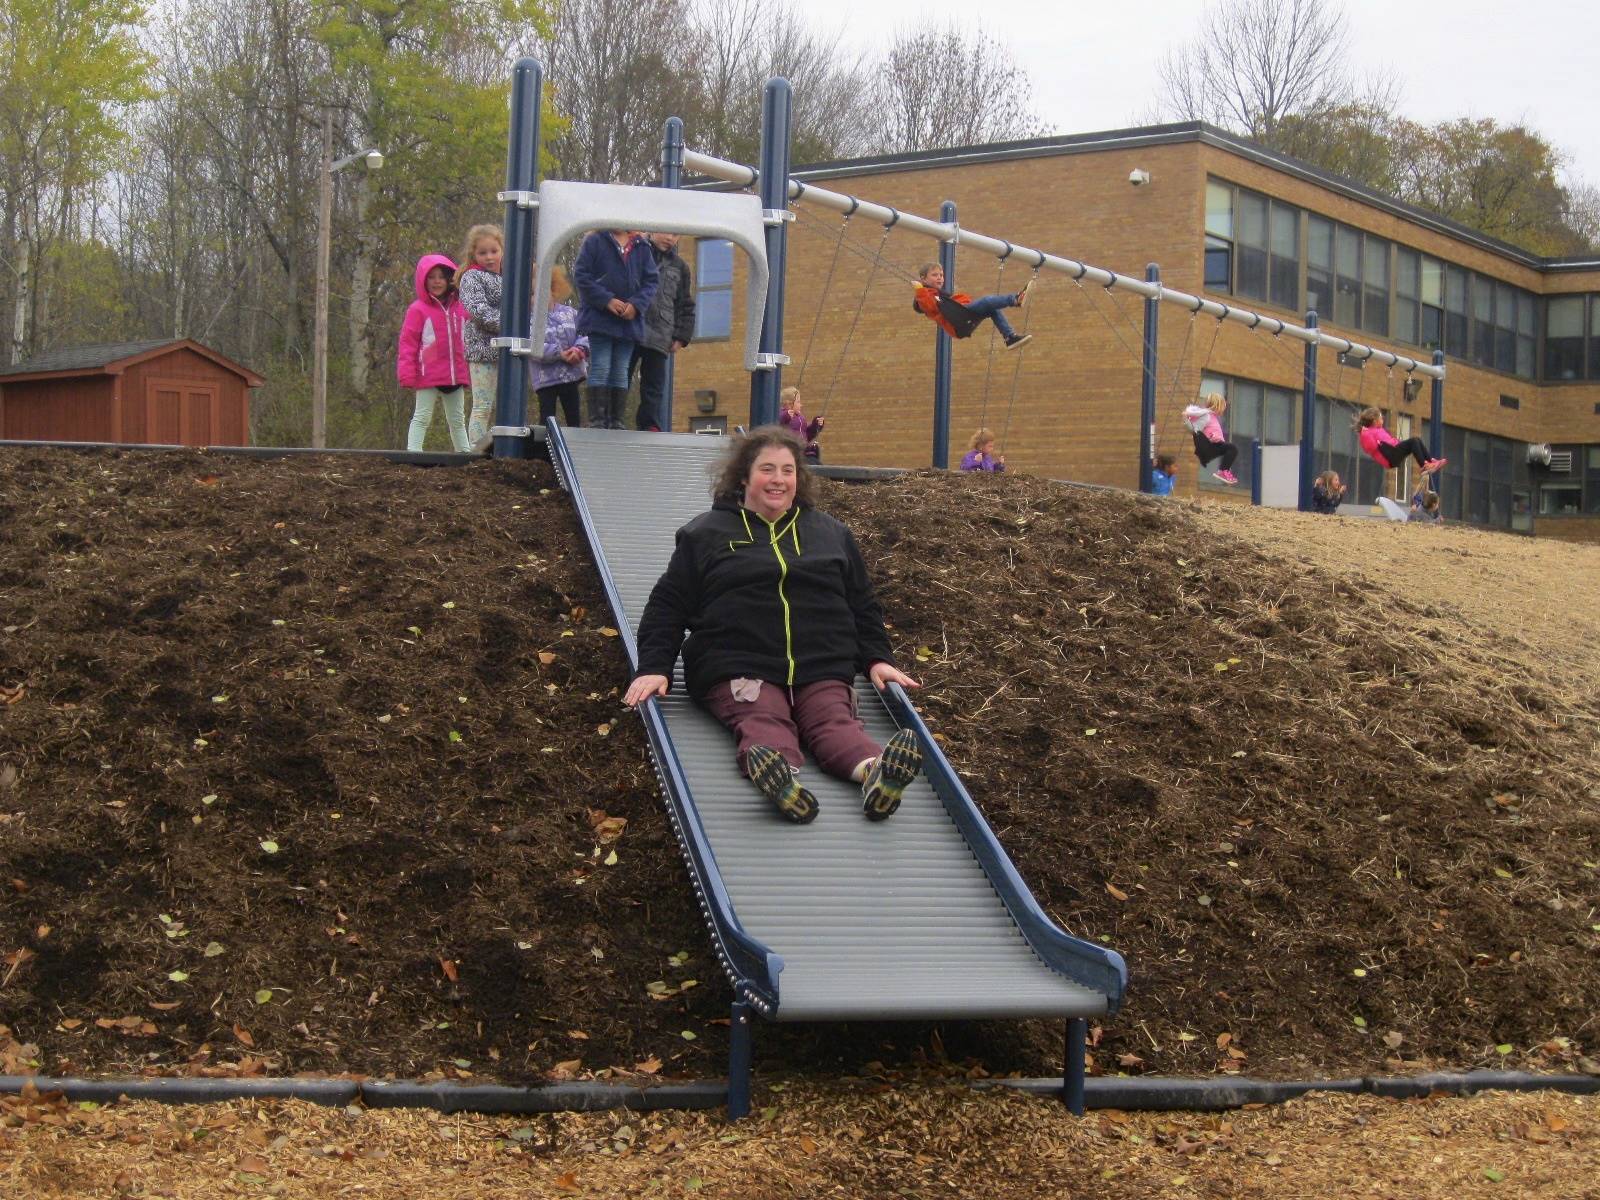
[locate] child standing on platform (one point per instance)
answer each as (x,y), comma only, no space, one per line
(617,278)
(479,284)
(1205,422)
(959,314)
(792,416)
(432,355)
(1383,448)
(562,366)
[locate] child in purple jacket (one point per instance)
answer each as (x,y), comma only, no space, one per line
(981,456)
(792,416)
(565,361)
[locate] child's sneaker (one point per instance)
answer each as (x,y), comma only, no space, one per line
(1227,477)
(777,781)
(890,774)
(1433,464)
(1018,339)
(1022,295)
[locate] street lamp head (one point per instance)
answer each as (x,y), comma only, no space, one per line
(374,160)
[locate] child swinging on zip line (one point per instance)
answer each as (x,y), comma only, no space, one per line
(959,314)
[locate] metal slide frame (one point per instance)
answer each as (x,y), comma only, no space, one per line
(752,967)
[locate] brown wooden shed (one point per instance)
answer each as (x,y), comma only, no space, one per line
(169,392)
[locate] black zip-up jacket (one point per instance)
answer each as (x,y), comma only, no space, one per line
(788,602)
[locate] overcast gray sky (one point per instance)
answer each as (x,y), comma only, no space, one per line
(1094,66)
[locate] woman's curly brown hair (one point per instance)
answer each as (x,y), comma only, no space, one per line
(732,471)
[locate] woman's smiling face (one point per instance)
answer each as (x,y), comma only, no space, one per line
(770,488)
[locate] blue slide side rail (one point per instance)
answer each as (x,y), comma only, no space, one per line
(1083,962)
(753,967)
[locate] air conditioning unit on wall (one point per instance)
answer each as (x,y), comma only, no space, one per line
(1538,454)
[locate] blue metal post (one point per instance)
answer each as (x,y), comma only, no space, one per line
(1308,419)
(739,1038)
(1072,1067)
(1255,472)
(943,358)
(521,226)
(1436,412)
(776,109)
(671,177)
(1147,402)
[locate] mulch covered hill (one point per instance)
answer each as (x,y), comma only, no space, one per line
(318,765)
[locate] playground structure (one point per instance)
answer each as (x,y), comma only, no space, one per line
(946,231)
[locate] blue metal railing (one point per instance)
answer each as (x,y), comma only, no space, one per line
(1083,962)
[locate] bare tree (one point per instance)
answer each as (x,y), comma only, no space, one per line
(738,46)
(1257,62)
(618,69)
(949,87)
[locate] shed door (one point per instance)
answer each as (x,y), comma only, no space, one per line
(181,412)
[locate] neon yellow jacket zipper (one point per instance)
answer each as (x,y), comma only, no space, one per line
(783,573)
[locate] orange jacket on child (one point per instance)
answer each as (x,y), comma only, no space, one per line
(927,303)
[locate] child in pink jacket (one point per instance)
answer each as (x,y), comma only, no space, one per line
(1205,422)
(1387,450)
(432,356)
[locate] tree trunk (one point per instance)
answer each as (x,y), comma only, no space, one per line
(24,294)
(361,291)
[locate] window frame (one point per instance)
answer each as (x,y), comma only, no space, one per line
(708,285)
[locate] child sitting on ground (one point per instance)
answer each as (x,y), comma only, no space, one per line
(1327,493)
(981,457)
(1382,447)
(1164,476)
(1425,507)
(959,314)
(792,416)
(1204,421)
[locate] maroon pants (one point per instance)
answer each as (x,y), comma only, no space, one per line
(821,716)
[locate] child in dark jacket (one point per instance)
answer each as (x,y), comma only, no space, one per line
(561,367)
(432,357)
(617,278)
(959,314)
(1327,493)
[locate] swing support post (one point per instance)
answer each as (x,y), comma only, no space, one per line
(1147,402)
(522,235)
(777,106)
(1308,417)
(671,177)
(1436,409)
(943,352)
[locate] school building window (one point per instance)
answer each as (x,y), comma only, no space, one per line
(1571,338)
(1359,281)
(1255,411)
(713,275)
(1487,481)
(1570,485)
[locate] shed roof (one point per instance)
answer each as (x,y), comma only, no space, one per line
(112,357)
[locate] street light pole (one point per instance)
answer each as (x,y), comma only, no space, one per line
(372,160)
(319,336)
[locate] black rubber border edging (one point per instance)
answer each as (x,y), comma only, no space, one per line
(1152,1094)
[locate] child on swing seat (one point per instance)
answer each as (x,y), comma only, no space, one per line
(959,314)
(980,455)
(1204,421)
(1382,447)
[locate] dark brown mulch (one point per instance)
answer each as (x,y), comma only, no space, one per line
(315,766)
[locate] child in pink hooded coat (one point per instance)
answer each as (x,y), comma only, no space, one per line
(432,355)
